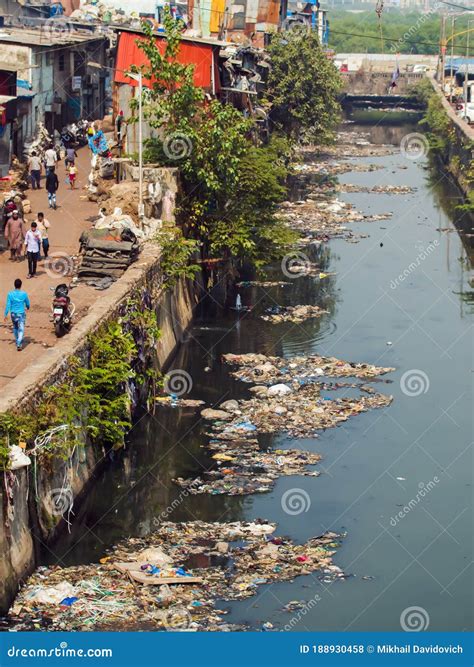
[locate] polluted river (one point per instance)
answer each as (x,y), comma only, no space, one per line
(388,491)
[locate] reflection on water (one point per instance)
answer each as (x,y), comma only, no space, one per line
(426,321)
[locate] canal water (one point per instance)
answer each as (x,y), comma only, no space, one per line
(398,555)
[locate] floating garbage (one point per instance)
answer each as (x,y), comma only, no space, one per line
(104,596)
(296,314)
(268,370)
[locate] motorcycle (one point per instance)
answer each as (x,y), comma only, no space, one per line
(62,310)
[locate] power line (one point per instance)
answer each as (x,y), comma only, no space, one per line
(400,40)
(452,4)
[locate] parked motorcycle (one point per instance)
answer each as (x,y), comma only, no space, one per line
(62,309)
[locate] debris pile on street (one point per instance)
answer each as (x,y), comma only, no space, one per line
(202,563)
(268,370)
(296,314)
(106,254)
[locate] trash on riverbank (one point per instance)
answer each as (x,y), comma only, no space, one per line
(296,314)
(231,559)
(262,369)
(333,168)
(177,402)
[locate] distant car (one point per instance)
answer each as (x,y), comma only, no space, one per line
(419,69)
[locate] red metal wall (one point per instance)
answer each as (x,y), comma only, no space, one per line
(197,54)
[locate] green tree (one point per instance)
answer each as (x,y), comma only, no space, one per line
(303,87)
(229,186)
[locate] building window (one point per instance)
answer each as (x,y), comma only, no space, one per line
(61,62)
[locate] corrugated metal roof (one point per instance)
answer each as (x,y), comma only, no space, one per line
(184,38)
(46,36)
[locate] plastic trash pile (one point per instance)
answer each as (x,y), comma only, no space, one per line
(296,314)
(377,189)
(286,399)
(268,370)
(229,561)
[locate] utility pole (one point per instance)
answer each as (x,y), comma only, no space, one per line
(453,21)
(466,73)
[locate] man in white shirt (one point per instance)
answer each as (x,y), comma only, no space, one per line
(32,247)
(50,158)
(34,165)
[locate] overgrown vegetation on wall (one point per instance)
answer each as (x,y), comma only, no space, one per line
(442,136)
(97,394)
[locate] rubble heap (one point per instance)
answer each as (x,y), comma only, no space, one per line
(221,561)
(106,253)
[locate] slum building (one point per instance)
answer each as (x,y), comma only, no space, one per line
(55,86)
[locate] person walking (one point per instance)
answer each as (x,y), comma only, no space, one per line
(17,305)
(50,159)
(43,226)
(72,173)
(52,184)
(71,155)
(33,247)
(34,165)
(15,233)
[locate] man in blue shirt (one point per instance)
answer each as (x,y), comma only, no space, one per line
(17,305)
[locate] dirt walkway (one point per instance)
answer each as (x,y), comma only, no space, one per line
(67,223)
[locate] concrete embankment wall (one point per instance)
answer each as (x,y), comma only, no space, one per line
(459,156)
(23,525)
